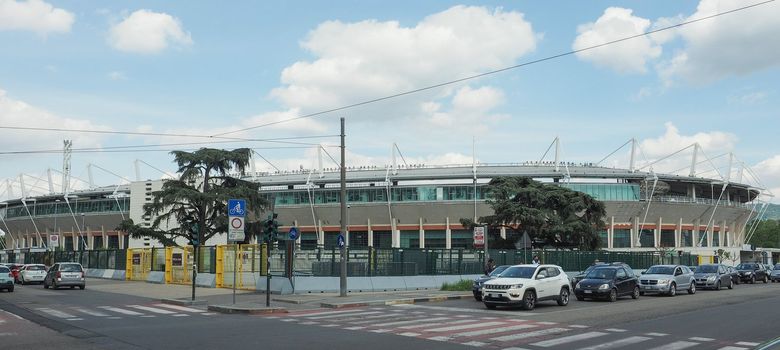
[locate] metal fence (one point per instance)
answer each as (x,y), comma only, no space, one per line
(360,262)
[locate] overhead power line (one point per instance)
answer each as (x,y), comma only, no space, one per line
(471,77)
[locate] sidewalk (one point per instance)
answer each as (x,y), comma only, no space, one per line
(248,301)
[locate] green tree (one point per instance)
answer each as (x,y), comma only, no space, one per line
(767,234)
(194,206)
(552,215)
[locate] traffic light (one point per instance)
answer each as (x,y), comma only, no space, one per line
(271,228)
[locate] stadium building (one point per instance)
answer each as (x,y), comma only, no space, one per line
(419,206)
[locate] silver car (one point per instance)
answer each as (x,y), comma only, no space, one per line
(713,276)
(32,273)
(774,275)
(65,274)
(667,279)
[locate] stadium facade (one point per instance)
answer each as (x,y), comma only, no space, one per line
(416,206)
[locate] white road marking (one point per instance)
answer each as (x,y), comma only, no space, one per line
(475,343)
(330,325)
(678,345)
(114,318)
(325,313)
(569,339)
(547,323)
(656,334)
(409,334)
(700,339)
(732,348)
(462,310)
(309,323)
(56,313)
(180,315)
(76,319)
(493,330)
(287,320)
(514,348)
(121,311)
(396,323)
(465,326)
(367,319)
(747,343)
(530,334)
(618,343)
(90,312)
(209,313)
(8,334)
(355,328)
(578,326)
(364,313)
(427,325)
(151,309)
(182,308)
(440,338)
(380,330)
(148,316)
(618,330)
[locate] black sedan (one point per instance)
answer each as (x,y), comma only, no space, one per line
(476,288)
(752,272)
(608,282)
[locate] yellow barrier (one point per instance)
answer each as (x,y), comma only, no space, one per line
(250,265)
(139,263)
(178,265)
(703,259)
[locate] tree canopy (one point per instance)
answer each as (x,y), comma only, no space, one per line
(552,215)
(767,234)
(194,206)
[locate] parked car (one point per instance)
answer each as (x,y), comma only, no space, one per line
(32,273)
(752,272)
(525,285)
(609,282)
(693,268)
(667,279)
(774,275)
(734,274)
(6,279)
(476,288)
(15,271)
(66,274)
(581,276)
(713,276)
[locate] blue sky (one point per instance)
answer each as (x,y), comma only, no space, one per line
(207,67)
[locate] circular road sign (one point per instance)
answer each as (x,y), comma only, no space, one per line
(237,222)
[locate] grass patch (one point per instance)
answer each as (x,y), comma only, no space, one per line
(462,285)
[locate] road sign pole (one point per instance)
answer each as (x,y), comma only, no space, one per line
(268,274)
(343,274)
(235,268)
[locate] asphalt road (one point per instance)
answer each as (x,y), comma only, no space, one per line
(727,319)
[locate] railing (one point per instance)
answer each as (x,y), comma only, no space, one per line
(706,201)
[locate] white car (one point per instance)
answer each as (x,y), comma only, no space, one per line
(32,273)
(525,285)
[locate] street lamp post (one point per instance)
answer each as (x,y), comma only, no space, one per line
(83,236)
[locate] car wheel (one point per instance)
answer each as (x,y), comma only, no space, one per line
(529,300)
(490,306)
(672,290)
(737,281)
(692,288)
(731,284)
(765,278)
(612,296)
(478,298)
(635,294)
(580,297)
(45,285)
(563,298)
(717,286)
(82,287)
(753,280)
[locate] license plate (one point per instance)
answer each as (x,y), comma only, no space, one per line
(588,291)
(71,275)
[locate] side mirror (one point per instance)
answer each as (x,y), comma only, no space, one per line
(541,276)
(642,273)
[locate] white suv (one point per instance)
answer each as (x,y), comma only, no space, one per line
(525,285)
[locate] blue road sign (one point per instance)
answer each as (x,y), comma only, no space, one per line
(237,207)
(294,233)
(340,241)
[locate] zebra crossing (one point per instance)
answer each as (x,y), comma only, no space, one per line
(499,332)
(109,312)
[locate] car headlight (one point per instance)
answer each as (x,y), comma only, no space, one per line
(663,281)
(604,286)
(748,272)
(516,286)
(578,285)
(711,278)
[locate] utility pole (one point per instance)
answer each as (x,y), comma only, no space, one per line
(343,274)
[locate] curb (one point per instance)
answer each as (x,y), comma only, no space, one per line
(183,302)
(232,309)
(395,301)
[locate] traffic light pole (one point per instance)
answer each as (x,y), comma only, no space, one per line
(268,273)
(343,274)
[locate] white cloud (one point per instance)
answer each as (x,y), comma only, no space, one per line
(768,172)
(749,98)
(470,111)
(18,113)
(672,140)
(35,16)
(369,59)
(116,75)
(735,44)
(148,32)
(629,56)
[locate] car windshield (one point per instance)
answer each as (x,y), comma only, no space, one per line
(777,267)
(604,274)
(746,266)
(519,272)
(707,269)
(4,269)
(660,270)
(35,268)
(498,270)
(70,268)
